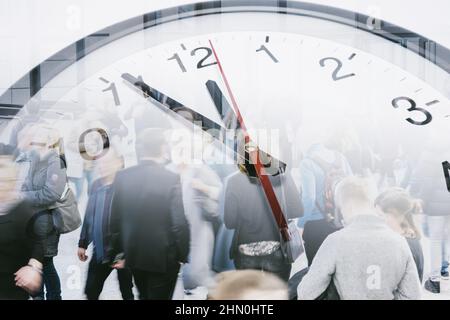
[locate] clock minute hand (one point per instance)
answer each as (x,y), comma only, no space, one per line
(167,102)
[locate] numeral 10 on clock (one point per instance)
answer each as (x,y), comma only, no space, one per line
(446,167)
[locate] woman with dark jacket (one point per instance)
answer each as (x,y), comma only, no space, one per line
(399,209)
(21,248)
(256,242)
(44,185)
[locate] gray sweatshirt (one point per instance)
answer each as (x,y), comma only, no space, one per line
(366,260)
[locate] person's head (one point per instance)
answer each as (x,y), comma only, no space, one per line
(353,197)
(151,143)
(181,147)
(8,176)
(185,113)
(39,138)
(342,138)
(270,159)
(399,208)
(108,165)
(249,285)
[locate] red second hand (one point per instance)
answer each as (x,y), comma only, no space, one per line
(233,100)
(265,182)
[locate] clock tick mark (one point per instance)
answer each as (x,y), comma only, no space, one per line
(402,79)
(352,56)
(418,90)
(103,79)
(183,46)
(267,39)
(432,102)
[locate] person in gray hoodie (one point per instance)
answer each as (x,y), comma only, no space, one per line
(366,260)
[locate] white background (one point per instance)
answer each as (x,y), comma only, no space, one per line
(31,31)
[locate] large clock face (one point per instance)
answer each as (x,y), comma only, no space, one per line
(297,81)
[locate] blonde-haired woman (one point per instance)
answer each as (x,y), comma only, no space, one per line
(43,186)
(399,209)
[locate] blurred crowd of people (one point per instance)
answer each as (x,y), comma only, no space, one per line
(361,209)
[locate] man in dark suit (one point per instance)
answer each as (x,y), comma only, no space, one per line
(148,224)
